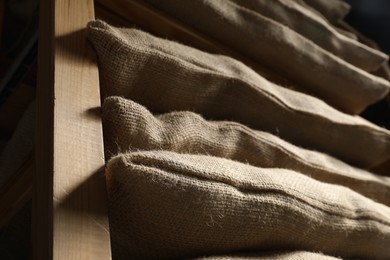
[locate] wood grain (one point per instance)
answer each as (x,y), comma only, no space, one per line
(69,202)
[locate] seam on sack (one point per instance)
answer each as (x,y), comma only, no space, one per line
(370,184)
(329,54)
(254,86)
(245,190)
(250,132)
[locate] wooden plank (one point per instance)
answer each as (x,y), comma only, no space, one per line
(69,201)
(160,24)
(110,17)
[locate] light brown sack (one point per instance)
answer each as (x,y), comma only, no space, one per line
(165,205)
(270,43)
(333,10)
(287,255)
(129,126)
(315,28)
(165,76)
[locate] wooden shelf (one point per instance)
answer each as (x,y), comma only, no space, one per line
(69,201)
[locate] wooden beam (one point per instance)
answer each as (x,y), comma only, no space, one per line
(69,200)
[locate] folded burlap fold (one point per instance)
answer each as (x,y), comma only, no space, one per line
(165,76)
(129,126)
(165,205)
(333,10)
(317,29)
(287,255)
(276,46)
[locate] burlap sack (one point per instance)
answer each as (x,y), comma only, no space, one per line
(129,126)
(270,43)
(288,255)
(333,10)
(345,32)
(165,205)
(320,31)
(165,76)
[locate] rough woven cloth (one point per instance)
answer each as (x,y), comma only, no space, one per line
(317,29)
(333,10)
(165,205)
(288,255)
(129,126)
(293,56)
(165,76)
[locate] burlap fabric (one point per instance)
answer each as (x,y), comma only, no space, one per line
(129,126)
(268,42)
(317,29)
(333,10)
(288,255)
(165,205)
(166,76)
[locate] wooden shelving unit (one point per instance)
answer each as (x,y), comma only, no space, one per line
(65,173)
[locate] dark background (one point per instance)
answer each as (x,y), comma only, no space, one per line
(372,18)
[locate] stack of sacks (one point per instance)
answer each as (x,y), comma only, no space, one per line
(208,159)
(166,76)
(279,34)
(332,10)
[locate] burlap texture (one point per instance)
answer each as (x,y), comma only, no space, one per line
(129,126)
(166,76)
(165,205)
(268,42)
(319,30)
(333,10)
(288,255)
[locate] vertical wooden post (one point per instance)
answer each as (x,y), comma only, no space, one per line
(69,202)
